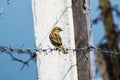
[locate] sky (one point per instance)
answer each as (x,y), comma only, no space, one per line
(16,29)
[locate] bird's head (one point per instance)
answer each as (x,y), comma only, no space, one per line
(57,29)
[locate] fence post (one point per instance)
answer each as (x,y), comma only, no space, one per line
(53,65)
(83,37)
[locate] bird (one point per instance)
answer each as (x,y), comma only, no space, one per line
(56,39)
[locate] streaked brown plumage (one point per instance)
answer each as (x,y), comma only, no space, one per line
(56,39)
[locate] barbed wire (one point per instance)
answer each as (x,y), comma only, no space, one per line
(32,52)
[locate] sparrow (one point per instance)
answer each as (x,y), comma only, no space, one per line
(56,39)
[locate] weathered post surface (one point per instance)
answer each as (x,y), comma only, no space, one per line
(83,38)
(54,65)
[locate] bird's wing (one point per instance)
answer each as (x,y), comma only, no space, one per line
(55,38)
(59,38)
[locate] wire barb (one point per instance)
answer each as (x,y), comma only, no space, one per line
(32,52)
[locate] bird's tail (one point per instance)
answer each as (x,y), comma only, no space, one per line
(63,49)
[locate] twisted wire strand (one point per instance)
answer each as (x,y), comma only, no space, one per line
(32,52)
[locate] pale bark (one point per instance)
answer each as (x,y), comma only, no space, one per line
(47,15)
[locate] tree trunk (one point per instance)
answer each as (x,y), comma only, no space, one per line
(110,66)
(83,37)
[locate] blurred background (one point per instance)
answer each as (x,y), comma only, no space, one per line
(16,30)
(106,32)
